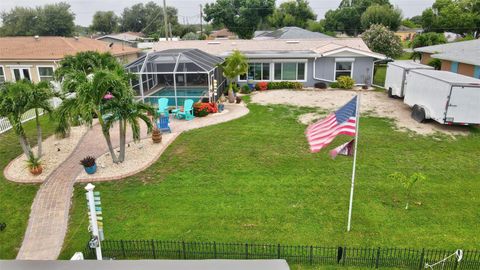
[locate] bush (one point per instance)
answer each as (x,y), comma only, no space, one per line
(435,63)
(203,109)
(320,85)
(262,86)
(334,85)
(284,85)
(245,89)
(345,82)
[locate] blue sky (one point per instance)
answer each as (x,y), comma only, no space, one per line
(189,9)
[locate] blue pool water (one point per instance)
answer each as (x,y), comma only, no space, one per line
(182,94)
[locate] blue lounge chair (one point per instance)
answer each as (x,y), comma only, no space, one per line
(187,112)
(163,124)
(163,106)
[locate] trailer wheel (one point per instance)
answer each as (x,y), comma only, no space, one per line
(418,114)
(389,92)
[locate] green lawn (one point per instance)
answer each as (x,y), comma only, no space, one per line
(254,180)
(380,73)
(15,199)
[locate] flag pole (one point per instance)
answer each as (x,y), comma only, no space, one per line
(357,123)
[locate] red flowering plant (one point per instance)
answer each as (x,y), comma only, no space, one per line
(262,86)
(203,109)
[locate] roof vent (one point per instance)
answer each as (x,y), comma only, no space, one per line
(292,41)
(36,37)
(213,42)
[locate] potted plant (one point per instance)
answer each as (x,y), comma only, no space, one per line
(156,135)
(34,165)
(89,164)
(233,66)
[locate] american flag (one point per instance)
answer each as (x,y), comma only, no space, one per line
(343,121)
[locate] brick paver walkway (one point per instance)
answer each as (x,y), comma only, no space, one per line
(47,225)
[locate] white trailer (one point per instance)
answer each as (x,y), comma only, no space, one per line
(395,78)
(446,97)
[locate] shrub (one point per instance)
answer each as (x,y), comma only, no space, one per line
(435,63)
(345,82)
(203,109)
(285,85)
(262,86)
(320,85)
(245,89)
(334,85)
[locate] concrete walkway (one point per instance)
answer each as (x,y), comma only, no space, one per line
(48,222)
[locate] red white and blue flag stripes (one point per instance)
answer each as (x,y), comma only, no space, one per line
(345,149)
(343,121)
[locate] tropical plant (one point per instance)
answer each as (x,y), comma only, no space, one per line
(39,99)
(426,39)
(85,82)
(435,63)
(407,183)
(88,161)
(34,164)
(235,65)
(14,102)
(126,111)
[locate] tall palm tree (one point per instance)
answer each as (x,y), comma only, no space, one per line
(235,65)
(39,96)
(14,102)
(127,111)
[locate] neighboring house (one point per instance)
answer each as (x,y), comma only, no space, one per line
(290,32)
(222,34)
(406,33)
(36,58)
(459,57)
(124,39)
(306,61)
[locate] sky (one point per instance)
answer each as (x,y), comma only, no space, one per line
(189,10)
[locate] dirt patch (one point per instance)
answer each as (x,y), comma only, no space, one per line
(375,103)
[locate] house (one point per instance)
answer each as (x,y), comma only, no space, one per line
(307,61)
(290,32)
(35,58)
(124,39)
(406,33)
(222,34)
(459,57)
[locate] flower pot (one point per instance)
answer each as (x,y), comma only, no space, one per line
(91,169)
(221,107)
(36,170)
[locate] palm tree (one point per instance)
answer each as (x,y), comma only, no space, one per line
(39,99)
(127,111)
(84,99)
(14,102)
(233,66)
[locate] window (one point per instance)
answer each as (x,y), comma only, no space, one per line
(2,75)
(343,69)
(45,73)
(290,71)
(257,72)
(21,73)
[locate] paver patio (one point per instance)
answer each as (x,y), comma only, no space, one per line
(48,219)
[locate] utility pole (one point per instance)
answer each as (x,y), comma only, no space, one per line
(201,20)
(165,19)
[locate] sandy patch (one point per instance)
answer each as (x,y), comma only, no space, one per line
(375,103)
(55,151)
(309,118)
(138,157)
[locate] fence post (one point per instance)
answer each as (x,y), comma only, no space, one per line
(214,250)
(344,255)
(246,250)
(184,250)
(153,250)
(311,255)
(422,258)
(378,258)
(123,249)
(278,251)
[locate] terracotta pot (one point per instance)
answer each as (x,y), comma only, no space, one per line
(36,170)
(156,136)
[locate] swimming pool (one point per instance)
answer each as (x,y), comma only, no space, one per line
(183,93)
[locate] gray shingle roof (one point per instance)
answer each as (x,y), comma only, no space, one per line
(472,58)
(291,32)
(463,46)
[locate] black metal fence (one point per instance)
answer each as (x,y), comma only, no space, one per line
(308,255)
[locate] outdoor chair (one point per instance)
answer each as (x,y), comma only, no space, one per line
(163,107)
(187,111)
(163,124)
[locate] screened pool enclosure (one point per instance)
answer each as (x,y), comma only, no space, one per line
(177,74)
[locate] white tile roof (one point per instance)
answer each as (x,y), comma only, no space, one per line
(472,58)
(463,46)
